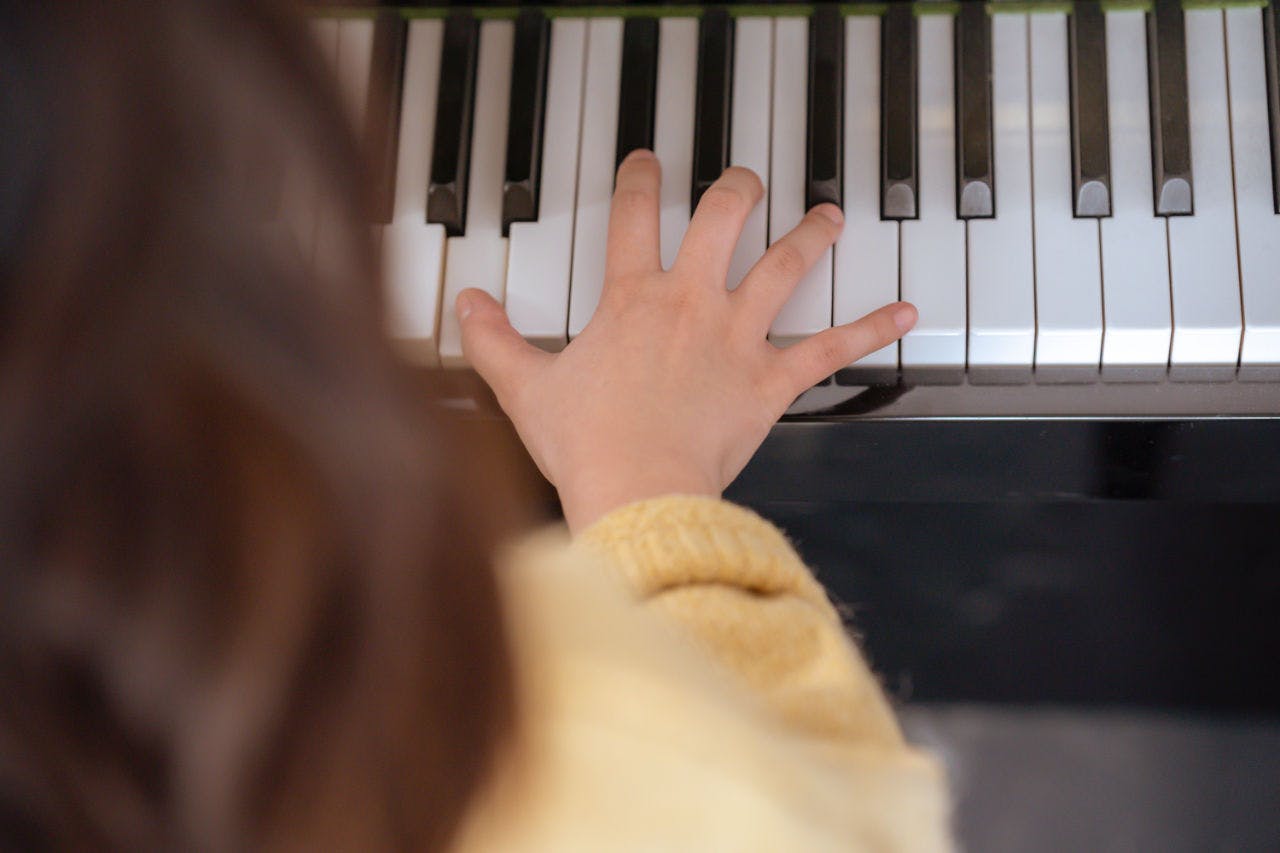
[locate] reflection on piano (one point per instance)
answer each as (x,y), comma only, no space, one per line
(1083,205)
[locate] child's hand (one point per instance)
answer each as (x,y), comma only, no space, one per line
(672,386)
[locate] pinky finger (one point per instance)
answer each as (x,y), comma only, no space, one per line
(812,360)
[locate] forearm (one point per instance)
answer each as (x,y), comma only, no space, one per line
(734,583)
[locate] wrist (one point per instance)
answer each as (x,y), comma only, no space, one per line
(589,499)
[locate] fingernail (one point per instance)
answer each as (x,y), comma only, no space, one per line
(904,318)
(830,211)
(464,306)
(639,154)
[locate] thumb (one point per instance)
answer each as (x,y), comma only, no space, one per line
(492,346)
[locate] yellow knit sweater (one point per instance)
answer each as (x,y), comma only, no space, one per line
(685,684)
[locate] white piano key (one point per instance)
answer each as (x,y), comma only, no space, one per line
(749,132)
(809,309)
(1068,263)
(541,252)
(1202,247)
(933,246)
(866,256)
(1002,311)
(673,126)
(413,251)
(1256,219)
(1135,248)
(355,56)
(595,169)
(479,257)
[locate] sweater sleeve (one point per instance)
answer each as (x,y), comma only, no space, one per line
(732,580)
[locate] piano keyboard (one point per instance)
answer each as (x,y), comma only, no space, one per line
(1087,197)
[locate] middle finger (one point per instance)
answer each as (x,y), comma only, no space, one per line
(717,223)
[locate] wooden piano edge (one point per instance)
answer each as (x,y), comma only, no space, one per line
(505,9)
(464,392)
(881,449)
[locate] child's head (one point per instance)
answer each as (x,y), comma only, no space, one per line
(245,593)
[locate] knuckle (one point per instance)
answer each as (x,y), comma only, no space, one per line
(829,230)
(885,329)
(788,260)
(678,297)
(683,303)
(722,200)
(749,182)
(632,200)
(753,182)
(830,353)
(644,170)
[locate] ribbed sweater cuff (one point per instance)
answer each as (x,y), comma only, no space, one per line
(679,540)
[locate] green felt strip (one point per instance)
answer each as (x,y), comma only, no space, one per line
(936,7)
(1023,7)
(790,10)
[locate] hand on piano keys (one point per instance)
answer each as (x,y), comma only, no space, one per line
(672,385)
(1066,196)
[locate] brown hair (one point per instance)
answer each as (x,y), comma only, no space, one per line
(245,587)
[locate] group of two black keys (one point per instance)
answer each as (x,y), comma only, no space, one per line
(899,109)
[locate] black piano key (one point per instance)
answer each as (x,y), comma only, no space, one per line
(524,125)
(1271,40)
(1090,130)
(899,107)
(638,88)
(1170,122)
(712,115)
(451,157)
(825,138)
(975,166)
(382,116)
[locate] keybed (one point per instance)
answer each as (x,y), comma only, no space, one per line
(1083,196)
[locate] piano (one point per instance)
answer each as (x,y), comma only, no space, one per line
(1082,200)
(1084,205)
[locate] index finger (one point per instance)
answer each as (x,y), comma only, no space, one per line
(633,247)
